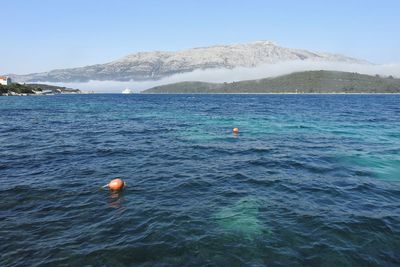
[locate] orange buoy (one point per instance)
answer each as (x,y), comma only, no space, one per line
(235,130)
(116,184)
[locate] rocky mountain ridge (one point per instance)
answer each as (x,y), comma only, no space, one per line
(159,64)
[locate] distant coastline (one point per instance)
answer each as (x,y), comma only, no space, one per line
(16,89)
(308,82)
(271,93)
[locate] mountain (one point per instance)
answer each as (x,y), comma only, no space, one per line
(157,65)
(300,82)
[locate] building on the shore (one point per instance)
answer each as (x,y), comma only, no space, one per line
(5,80)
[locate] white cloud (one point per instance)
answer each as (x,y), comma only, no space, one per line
(237,74)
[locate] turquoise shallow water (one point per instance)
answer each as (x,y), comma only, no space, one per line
(311,180)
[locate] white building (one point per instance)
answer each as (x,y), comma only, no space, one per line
(5,80)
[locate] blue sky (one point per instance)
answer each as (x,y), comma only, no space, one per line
(43,35)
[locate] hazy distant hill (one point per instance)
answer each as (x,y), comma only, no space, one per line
(157,65)
(301,82)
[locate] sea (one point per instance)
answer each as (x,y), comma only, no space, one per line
(309,180)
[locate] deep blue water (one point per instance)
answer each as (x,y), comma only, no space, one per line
(311,180)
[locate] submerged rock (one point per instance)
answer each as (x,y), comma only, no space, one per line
(242,218)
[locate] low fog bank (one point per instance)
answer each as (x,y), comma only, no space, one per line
(237,74)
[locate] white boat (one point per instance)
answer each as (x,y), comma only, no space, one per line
(127,91)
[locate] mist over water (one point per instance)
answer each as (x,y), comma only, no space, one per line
(238,74)
(310,180)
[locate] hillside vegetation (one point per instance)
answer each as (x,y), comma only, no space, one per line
(300,82)
(31,89)
(16,88)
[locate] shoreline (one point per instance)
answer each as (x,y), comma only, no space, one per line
(47,95)
(269,93)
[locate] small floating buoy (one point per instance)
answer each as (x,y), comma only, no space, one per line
(235,130)
(116,184)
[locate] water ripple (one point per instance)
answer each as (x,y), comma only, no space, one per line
(311,180)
